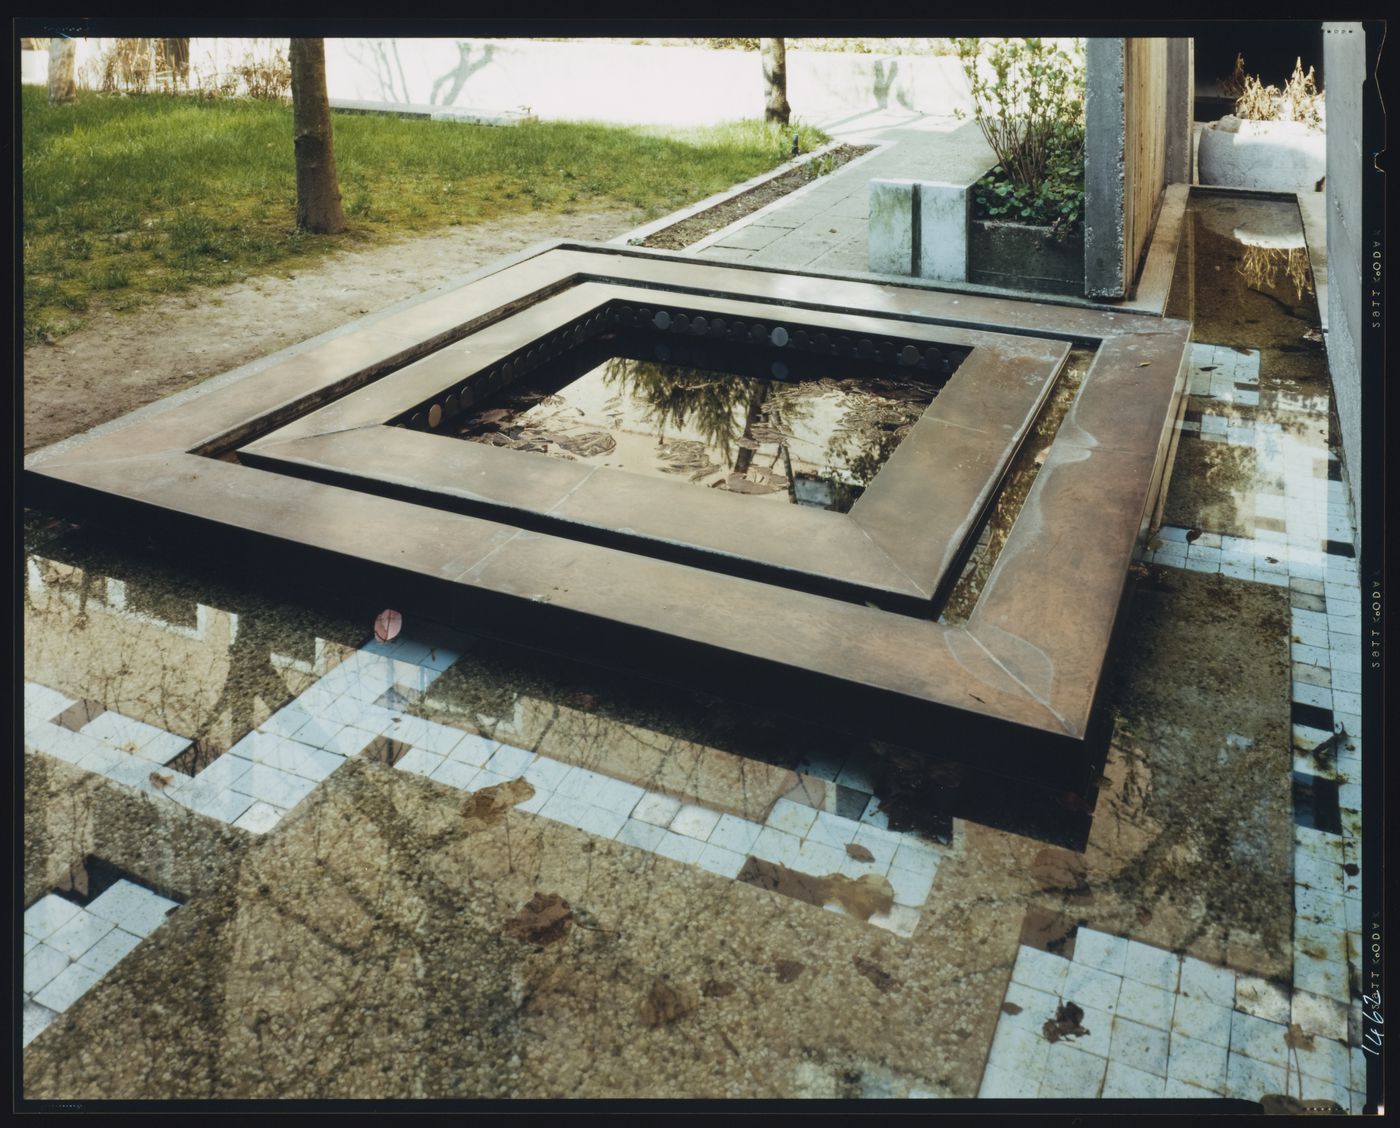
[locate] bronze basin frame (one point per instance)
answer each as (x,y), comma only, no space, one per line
(296,455)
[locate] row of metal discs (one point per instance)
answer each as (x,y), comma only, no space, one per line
(778,336)
(546,348)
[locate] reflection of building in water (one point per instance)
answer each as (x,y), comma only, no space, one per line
(161,658)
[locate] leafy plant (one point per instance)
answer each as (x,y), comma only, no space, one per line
(1028,96)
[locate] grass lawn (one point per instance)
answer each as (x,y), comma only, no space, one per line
(130,196)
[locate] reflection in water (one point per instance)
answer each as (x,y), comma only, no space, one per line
(817,441)
(1260,268)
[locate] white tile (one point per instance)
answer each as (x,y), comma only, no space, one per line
(1037,1007)
(1322,906)
(856,775)
(1124,1082)
(36,1020)
(679,847)
(1019,1051)
(582,783)
(910,888)
(288,720)
(1154,966)
(1039,969)
(124,733)
(657,809)
(1322,977)
(510,762)
(790,817)
(901,920)
(643,835)
(299,759)
(41,701)
(224,772)
(1100,950)
(1149,1005)
(545,774)
(1142,1047)
(67,987)
(272,785)
(473,749)
(1249,1079)
(1261,1040)
(30,942)
(1008,1084)
(1072,1073)
(79,933)
(1327,1060)
(1261,998)
(349,741)
(132,907)
(695,821)
(419,762)
(441,740)
(1180,1090)
(617,796)
(1318,872)
(41,964)
(584,816)
(259,818)
(773,845)
(716,859)
(47,914)
(881,842)
(455,773)
(1197,1062)
(1090,987)
(819,860)
(916,855)
(1196,564)
(1201,980)
(109,951)
(487,778)
(226,805)
(875,815)
(735,834)
(1312,695)
(1274,579)
(72,747)
(1345,702)
(833,830)
(1237,571)
(1201,1019)
(536,802)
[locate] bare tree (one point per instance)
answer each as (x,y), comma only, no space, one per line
(62,53)
(318,188)
(776,108)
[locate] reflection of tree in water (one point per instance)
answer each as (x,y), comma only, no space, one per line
(251,675)
(691,399)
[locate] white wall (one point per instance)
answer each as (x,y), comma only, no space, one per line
(1344,64)
(613,82)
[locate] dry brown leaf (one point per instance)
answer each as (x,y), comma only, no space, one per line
(545,918)
(859,852)
(665,1003)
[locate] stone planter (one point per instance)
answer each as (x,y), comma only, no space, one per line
(1020,256)
(1278,156)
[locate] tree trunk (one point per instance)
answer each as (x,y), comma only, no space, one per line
(776,108)
(62,53)
(318,189)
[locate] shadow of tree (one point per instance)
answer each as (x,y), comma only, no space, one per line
(465,68)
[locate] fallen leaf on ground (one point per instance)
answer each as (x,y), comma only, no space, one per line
(788,970)
(859,852)
(877,975)
(1065,1024)
(545,918)
(387,625)
(665,1003)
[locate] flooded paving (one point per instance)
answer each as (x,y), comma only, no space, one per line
(269,855)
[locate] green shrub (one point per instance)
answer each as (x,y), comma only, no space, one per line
(1028,96)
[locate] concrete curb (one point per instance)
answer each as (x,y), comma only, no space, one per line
(648,229)
(783,201)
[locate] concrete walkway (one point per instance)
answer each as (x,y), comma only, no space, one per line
(823,226)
